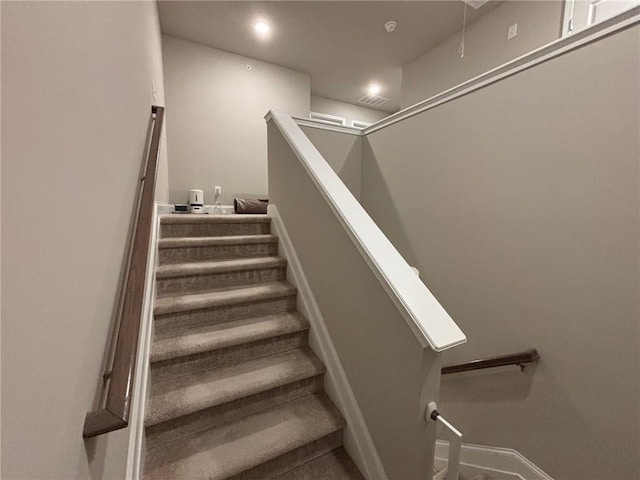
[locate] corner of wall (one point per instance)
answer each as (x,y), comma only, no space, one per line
(233,138)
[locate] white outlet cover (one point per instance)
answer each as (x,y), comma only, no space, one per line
(512,31)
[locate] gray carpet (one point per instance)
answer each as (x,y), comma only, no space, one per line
(235,391)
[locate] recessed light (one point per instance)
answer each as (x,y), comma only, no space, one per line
(261,27)
(374,89)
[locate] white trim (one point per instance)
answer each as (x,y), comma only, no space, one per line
(524,62)
(306,122)
(357,439)
(135,454)
(593,8)
(427,319)
(567,17)
(360,124)
(495,459)
(591,17)
(327,118)
(219,209)
(207,209)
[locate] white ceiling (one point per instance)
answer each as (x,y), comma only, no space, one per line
(343,45)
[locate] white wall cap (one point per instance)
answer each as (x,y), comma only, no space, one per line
(428,320)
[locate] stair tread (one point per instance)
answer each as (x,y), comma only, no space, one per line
(218,266)
(335,465)
(178,242)
(230,449)
(229,296)
(205,218)
(226,334)
(206,389)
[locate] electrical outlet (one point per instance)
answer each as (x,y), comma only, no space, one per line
(512,31)
(217,190)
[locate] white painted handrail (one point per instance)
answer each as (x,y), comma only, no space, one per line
(310,122)
(426,318)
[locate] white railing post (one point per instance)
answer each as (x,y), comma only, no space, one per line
(454,437)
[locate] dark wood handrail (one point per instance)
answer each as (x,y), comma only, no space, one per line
(519,359)
(115,414)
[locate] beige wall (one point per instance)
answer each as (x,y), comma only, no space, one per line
(343,152)
(347,110)
(486,47)
(391,375)
(0,251)
(217,134)
(519,205)
(77,89)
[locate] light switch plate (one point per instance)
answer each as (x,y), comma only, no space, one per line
(512,31)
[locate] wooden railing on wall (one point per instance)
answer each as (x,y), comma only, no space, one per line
(520,359)
(115,413)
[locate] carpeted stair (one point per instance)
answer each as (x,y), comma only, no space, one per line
(235,390)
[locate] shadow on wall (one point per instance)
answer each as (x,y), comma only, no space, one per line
(500,384)
(477,397)
(377,200)
(518,214)
(343,152)
(350,172)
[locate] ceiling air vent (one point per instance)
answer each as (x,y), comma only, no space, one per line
(373,100)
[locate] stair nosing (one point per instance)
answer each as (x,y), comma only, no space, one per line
(192,242)
(206,400)
(208,267)
(208,300)
(186,219)
(298,324)
(267,450)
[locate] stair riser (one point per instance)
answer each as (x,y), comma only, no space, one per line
(173,230)
(182,322)
(167,370)
(292,459)
(333,465)
(216,252)
(203,283)
(175,429)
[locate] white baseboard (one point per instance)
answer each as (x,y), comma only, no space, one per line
(502,463)
(357,439)
(219,209)
(135,456)
(210,209)
(163,208)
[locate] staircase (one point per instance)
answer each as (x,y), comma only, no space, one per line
(235,390)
